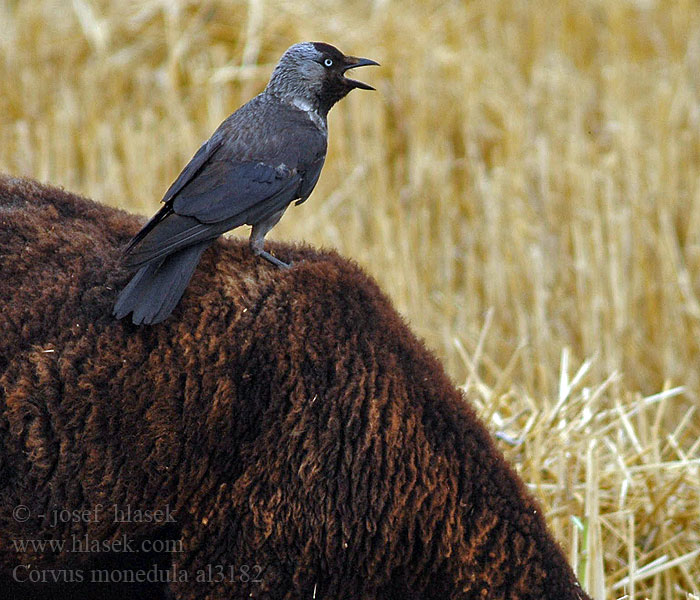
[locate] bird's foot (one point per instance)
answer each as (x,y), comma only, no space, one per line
(275,261)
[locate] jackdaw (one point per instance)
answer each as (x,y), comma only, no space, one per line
(261,158)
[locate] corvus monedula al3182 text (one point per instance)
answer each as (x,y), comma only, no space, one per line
(261,158)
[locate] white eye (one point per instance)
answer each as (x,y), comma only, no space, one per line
(328,62)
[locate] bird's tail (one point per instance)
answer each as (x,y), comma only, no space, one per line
(157,287)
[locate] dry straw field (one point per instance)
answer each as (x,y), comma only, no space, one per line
(525,184)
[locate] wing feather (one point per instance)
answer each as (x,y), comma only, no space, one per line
(177,231)
(224,189)
(205,153)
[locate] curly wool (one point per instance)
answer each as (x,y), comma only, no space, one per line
(286,419)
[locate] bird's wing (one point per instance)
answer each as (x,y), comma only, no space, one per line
(221,197)
(224,189)
(226,185)
(313,172)
(205,152)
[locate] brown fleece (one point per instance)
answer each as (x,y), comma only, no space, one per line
(304,441)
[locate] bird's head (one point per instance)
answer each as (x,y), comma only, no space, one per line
(312,74)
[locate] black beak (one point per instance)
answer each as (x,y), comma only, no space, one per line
(351,62)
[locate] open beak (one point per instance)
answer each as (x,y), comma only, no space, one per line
(352,62)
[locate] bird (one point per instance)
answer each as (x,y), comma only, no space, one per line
(266,155)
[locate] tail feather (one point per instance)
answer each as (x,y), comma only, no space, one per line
(156,288)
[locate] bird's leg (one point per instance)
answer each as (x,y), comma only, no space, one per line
(275,261)
(257,241)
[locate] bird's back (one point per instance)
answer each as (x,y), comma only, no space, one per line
(269,130)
